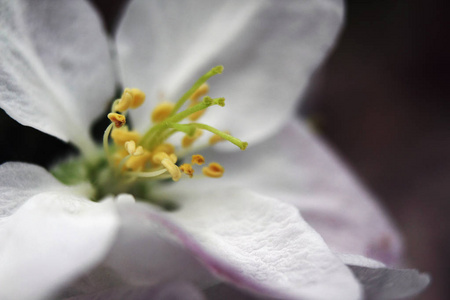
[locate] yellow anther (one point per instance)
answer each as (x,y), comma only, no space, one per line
(162,111)
(201,91)
(214,170)
(139,151)
(195,116)
(138,163)
(158,157)
(121,136)
(138,97)
(173,157)
(130,146)
(168,148)
(217,138)
(188,140)
(125,101)
(166,161)
(187,169)
(173,170)
(198,159)
(118,119)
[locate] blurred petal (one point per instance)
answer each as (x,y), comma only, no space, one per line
(51,238)
(56,74)
(142,253)
(167,291)
(225,291)
(21,181)
(269,50)
(256,243)
(296,167)
(383,283)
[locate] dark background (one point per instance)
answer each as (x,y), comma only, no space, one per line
(382,101)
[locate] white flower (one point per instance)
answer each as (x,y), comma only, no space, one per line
(245,229)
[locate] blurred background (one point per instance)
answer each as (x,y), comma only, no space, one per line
(381,100)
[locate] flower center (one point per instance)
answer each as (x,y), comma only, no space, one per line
(133,160)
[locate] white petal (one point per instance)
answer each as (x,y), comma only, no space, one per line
(144,255)
(269,50)
(56,74)
(21,181)
(383,283)
(296,167)
(51,237)
(256,243)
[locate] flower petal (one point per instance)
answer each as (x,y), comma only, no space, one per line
(52,238)
(269,50)
(296,167)
(256,243)
(172,290)
(56,74)
(21,181)
(383,283)
(142,253)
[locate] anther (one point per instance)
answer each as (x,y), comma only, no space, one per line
(162,111)
(130,146)
(188,140)
(167,148)
(138,163)
(214,170)
(118,119)
(164,159)
(187,169)
(173,157)
(121,136)
(138,97)
(139,151)
(124,103)
(197,159)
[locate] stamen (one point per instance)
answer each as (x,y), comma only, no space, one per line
(162,111)
(147,174)
(217,138)
(214,71)
(158,157)
(214,170)
(167,148)
(118,119)
(138,97)
(138,163)
(189,140)
(106,144)
(124,103)
(173,158)
(198,159)
(187,169)
(139,151)
(167,162)
(121,136)
(130,146)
